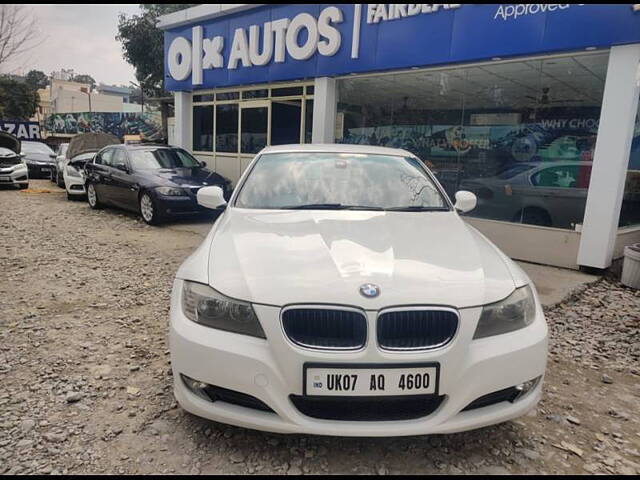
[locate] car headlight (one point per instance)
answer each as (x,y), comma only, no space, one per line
(72,172)
(203,305)
(513,313)
(171,191)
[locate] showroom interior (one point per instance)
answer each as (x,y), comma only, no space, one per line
(549,143)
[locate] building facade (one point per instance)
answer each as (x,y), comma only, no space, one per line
(533,107)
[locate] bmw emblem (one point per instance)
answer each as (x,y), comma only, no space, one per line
(369,290)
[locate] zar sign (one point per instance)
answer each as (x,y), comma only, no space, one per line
(22,130)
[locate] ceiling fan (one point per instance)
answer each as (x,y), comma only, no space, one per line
(545,100)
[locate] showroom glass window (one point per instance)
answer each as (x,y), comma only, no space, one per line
(630,212)
(227,131)
(203,128)
(496,129)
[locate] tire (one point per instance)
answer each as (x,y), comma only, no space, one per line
(92,197)
(71,198)
(53,177)
(59,180)
(149,210)
(23,186)
(533,216)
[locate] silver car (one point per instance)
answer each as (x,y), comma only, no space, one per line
(550,194)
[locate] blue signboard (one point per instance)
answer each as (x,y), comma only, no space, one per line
(22,130)
(286,42)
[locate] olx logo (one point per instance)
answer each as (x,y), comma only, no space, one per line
(279,38)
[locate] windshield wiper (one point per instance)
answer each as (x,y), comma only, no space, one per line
(329,206)
(416,208)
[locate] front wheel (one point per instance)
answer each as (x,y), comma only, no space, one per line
(92,197)
(23,186)
(149,210)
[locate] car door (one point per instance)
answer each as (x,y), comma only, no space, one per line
(99,174)
(561,190)
(123,181)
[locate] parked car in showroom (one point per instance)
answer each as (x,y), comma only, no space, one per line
(58,171)
(158,181)
(549,194)
(82,149)
(40,159)
(13,170)
(340,293)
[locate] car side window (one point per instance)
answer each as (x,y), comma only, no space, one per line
(562,177)
(119,158)
(106,157)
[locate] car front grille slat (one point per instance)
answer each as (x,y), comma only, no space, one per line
(325,328)
(416,329)
(367,409)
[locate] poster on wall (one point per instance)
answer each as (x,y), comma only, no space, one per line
(119,124)
(22,130)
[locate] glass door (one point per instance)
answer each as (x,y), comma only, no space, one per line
(255,128)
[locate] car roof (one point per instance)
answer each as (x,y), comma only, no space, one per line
(337,148)
(137,146)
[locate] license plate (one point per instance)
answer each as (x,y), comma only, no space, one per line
(5,179)
(371,380)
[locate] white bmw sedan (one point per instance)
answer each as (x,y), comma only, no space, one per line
(340,293)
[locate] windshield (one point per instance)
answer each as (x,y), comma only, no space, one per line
(511,172)
(304,180)
(36,147)
(161,158)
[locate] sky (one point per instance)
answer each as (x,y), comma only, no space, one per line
(78,37)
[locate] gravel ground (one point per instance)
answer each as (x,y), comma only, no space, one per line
(86,383)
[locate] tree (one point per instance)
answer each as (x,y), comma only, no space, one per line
(37,79)
(18,32)
(85,79)
(18,101)
(142,44)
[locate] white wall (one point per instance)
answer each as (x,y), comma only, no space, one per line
(70,101)
(611,157)
(325,105)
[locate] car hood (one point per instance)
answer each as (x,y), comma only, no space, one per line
(90,142)
(187,177)
(10,141)
(306,256)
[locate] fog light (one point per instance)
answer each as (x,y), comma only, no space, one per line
(526,387)
(196,386)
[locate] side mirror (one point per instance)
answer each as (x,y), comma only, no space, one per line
(211,197)
(122,166)
(203,164)
(465,201)
(22,155)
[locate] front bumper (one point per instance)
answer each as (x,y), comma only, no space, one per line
(74,185)
(40,169)
(16,175)
(271,371)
